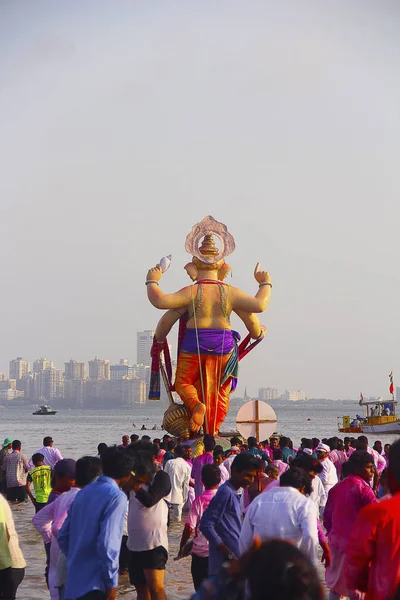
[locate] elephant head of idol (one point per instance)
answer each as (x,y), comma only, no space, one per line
(208,261)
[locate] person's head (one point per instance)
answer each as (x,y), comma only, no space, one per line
(117,464)
(291,575)
(315,442)
(283,442)
(322,451)
(125,440)
(16,446)
(378,446)
(179,451)
(290,443)
(218,455)
(387,449)
(394,468)
(146,438)
(48,441)
(38,459)
(7,444)
(361,447)
(188,453)
(333,443)
(102,447)
(273,443)
(143,467)
(235,442)
(157,441)
(252,442)
(362,439)
(211,476)
(260,465)
(306,443)
(347,442)
(310,465)
(209,442)
(64,474)
(361,464)
(277,454)
(166,438)
(345,472)
(87,469)
(243,470)
(134,438)
(272,471)
(171,445)
(298,479)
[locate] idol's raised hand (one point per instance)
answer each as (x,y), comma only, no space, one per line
(154,274)
(261,276)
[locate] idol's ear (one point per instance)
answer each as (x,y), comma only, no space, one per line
(192,271)
(223,271)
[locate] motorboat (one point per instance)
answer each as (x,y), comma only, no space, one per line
(45,410)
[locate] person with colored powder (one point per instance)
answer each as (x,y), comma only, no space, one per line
(199,462)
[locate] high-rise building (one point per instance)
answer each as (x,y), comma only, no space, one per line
(99,369)
(50,384)
(144,344)
(124,362)
(294,395)
(3,377)
(75,370)
(29,384)
(41,364)
(268,393)
(122,371)
(8,384)
(75,391)
(397,394)
(18,368)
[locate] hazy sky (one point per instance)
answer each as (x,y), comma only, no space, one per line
(124,123)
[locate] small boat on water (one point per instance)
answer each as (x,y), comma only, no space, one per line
(379,417)
(45,410)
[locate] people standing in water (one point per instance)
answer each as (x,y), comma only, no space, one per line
(5,449)
(51,455)
(16,467)
(40,477)
(90,537)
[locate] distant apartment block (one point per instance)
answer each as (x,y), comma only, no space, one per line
(144,343)
(294,395)
(122,371)
(3,377)
(41,364)
(6,395)
(18,368)
(50,384)
(268,393)
(8,384)
(73,369)
(75,391)
(99,369)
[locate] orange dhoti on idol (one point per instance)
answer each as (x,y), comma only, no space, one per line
(207,374)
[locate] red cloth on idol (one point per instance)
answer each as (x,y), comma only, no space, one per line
(373,551)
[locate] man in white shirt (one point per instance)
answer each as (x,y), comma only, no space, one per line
(51,455)
(179,472)
(328,474)
(147,528)
(313,467)
(285,513)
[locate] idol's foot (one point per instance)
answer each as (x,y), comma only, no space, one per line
(197,417)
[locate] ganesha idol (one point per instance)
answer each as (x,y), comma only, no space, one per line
(208,348)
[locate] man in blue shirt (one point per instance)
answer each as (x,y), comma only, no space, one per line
(92,532)
(222,522)
(255,450)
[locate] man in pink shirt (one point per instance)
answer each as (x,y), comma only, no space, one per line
(199,462)
(211,477)
(373,550)
(380,462)
(345,501)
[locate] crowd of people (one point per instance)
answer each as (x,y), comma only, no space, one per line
(257,517)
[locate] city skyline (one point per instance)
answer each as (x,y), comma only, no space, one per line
(124,125)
